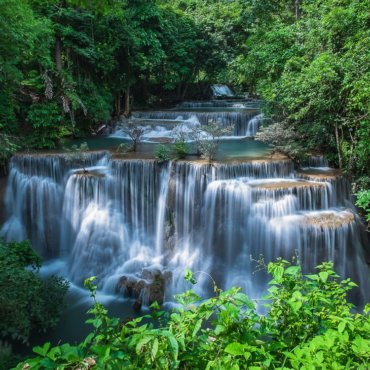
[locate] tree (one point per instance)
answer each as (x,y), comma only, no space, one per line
(309,61)
(134,132)
(207,139)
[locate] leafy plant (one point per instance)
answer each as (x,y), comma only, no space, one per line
(363,201)
(27,302)
(162,153)
(122,148)
(179,149)
(308,324)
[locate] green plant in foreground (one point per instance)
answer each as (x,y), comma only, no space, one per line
(309,324)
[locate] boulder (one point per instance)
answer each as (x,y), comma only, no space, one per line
(147,287)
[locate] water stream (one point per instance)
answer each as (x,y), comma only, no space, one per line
(129,221)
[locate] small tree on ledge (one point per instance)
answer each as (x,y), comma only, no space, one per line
(208,139)
(135,133)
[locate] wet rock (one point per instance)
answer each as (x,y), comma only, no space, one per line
(330,220)
(147,287)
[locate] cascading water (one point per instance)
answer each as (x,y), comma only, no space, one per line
(317,161)
(241,122)
(221,91)
(137,224)
(254,124)
(137,220)
(240,116)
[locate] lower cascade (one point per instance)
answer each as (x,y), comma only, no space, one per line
(137,224)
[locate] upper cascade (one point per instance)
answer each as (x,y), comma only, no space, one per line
(122,219)
(242,117)
(222,91)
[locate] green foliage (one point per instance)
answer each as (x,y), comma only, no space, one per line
(283,139)
(309,324)
(310,61)
(8,359)
(122,148)
(179,149)
(27,302)
(363,201)
(8,147)
(45,121)
(162,153)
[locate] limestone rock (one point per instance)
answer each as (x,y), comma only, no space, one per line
(147,287)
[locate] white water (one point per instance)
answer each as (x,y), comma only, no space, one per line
(123,216)
(222,91)
(171,125)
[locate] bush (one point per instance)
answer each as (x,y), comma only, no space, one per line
(309,325)
(27,302)
(363,201)
(45,120)
(162,153)
(179,149)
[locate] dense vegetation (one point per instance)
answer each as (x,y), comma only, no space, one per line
(311,63)
(67,66)
(309,324)
(27,302)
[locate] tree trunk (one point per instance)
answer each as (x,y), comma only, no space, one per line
(58,53)
(118,105)
(127,102)
(184,91)
(338,146)
(297,9)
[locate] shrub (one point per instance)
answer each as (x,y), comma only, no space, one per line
(27,302)
(363,201)
(179,149)
(162,153)
(309,325)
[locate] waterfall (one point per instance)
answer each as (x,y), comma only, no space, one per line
(131,221)
(254,124)
(221,91)
(317,161)
(161,213)
(230,103)
(242,122)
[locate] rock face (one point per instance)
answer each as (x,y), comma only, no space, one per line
(147,287)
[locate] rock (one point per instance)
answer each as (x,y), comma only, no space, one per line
(330,220)
(147,287)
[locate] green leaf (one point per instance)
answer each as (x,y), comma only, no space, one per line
(219,329)
(197,327)
(142,342)
(323,276)
(174,346)
(341,326)
(189,276)
(42,351)
(312,277)
(154,350)
(235,349)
